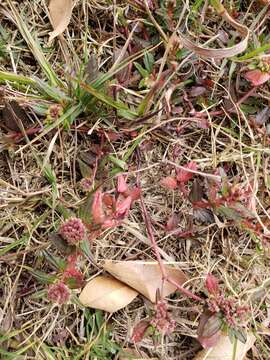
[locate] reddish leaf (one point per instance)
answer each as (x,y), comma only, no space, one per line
(208,342)
(211,284)
(108,200)
(257,77)
(169,182)
(110,223)
(14,116)
(97,210)
(197,91)
(172,222)
(122,207)
(140,330)
(121,184)
(184,176)
(209,329)
(133,193)
(73,278)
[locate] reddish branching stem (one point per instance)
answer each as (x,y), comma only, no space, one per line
(165,277)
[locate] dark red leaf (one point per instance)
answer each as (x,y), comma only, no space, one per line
(14,116)
(140,330)
(211,284)
(121,184)
(172,222)
(97,209)
(184,176)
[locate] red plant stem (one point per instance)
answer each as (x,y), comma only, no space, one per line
(220,112)
(158,257)
(19,135)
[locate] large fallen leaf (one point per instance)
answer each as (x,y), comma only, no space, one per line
(60,15)
(145,277)
(224,349)
(107,294)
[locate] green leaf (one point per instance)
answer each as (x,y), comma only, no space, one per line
(61,244)
(55,261)
(109,101)
(237,333)
(229,213)
(149,61)
(53,92)
(144,73)
(85,209)
(119,163)
(41,276)
(85,169)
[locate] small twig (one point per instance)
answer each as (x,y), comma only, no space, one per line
(215,177)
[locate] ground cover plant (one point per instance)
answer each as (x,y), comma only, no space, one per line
(134,179)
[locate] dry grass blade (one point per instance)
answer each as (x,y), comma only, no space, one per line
(145,277)
(107,294)
(220,53)
(60,16)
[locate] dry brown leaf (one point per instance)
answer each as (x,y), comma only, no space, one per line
(224,349)
(145,277)
(107,294)
(60,15)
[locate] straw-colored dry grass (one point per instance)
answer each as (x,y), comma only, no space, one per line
(40,175)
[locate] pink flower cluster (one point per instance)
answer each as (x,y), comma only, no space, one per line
(59,293)
(72,230)
(233,313)
(162,320)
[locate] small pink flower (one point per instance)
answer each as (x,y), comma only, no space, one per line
(72,230)
(169,182)
(121,184)
(59,293)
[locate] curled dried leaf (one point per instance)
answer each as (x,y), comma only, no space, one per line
(220,53)
(60,16)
